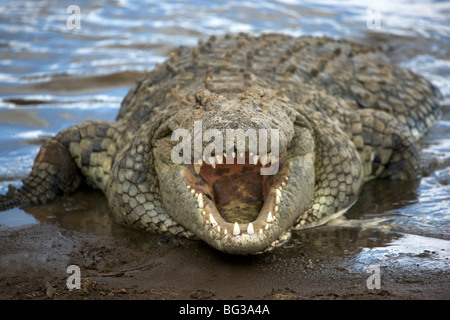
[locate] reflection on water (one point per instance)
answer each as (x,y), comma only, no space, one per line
(52,77)
(87,211)
(408,250)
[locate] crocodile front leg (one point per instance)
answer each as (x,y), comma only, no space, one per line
(339,174)
(385,145)
(82,152)
(364,145)
(54,173)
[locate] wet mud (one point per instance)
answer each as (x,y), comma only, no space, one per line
(117,262)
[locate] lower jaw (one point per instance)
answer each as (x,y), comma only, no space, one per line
(251,234)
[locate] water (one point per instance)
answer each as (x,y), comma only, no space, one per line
(52,77)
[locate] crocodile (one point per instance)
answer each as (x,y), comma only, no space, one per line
(343,114)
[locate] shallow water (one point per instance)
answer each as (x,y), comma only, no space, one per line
(52,77)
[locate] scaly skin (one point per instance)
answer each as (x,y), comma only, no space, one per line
(345,115)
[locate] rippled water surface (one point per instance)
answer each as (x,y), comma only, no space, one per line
(52,76)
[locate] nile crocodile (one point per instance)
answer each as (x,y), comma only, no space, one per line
(342,112)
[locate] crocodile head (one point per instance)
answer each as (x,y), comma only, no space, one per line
(235,199)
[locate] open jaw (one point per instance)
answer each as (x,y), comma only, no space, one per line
(242,203)
(238,209)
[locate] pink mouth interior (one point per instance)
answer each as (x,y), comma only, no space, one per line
(237,190)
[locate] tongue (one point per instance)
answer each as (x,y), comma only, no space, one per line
(238,191)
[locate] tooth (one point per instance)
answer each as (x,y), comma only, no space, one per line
(278,192)
(204,212)
(211,218)
(236,229)
(225,231)
(197,168)
(233,154)
(277,199)
(269,217)
(266,227)
(250,229)
(219,159)
(261,231)
(263,159)
(283,184)
(255,159)
(200,200)
(193,191)
(276,208)
(218,228)
(188,187)
(212,162)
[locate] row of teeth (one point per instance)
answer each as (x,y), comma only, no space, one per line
(236,229)
(219,159)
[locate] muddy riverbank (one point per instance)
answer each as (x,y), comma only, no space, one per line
(120,263)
